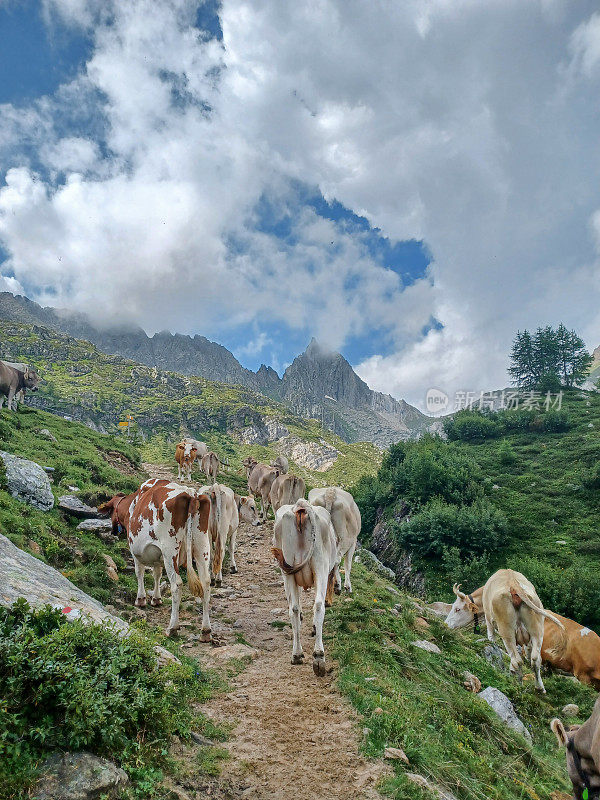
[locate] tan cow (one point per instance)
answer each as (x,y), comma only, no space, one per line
(247,509)
(119,509)
(576,650)
(185,455)
(304,545)
(346,521)
(582,743)
(282,464)
(210,465)
(168,525)
(14,382)
(285,490)
(510,602)
(260,481)
(201,448)
(223,524)
(249,463)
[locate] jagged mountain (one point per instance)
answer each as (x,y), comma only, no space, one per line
(319,383)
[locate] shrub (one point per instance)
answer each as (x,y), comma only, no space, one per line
(66,685)
(472,572)
(556,421)
(591,478)
(470,426)
(506,453)
(471,529)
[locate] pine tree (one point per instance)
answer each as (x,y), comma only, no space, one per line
(522,368)
(549,359)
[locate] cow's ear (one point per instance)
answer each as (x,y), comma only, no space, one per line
(473,608)
(558,729)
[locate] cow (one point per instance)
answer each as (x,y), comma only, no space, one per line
(210,465)
(260,481)
(14,381)
(304,545)
(582,743)
(249,463)
(168,525)
(223,523)
(185,455)
(577,650)
(201,448)
(282,464)
(21,366)
(346,521)
(285,490)
(247,509)
(510,602)
(118,508)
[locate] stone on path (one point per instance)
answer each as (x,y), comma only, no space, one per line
(79,776)
(500,703)
(27,481)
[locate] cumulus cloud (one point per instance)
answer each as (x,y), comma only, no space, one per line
(133,191)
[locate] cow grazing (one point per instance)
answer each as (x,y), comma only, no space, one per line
(304,545)
(247,509)
(346,521)
(582,743)
(260,481)
(576,650)
(168,526)
(14,382)
(510,602)
(282,464)
(211,465)
(185,455)
(223,524)
(285,490)
(118,508)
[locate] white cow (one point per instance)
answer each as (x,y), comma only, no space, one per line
(282,464)
(223,524)
(304,545)
(201,447)
(168,525)
(346,521)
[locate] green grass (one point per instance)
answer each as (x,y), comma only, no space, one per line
(449,735)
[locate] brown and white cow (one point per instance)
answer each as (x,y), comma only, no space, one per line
(282,464)
(304,545)
(346,521)
(201,448)
(582,743)
(260,481)
(14,382)
(509,602)
(168,525)
(118,508)
(286,489)
(223,524)
(575,650)
(185,455)
(211,465)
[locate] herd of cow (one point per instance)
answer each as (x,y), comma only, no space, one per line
(169,525)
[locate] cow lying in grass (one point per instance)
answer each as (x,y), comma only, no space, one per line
(582,743)
(305,547)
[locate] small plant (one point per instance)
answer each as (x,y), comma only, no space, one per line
(506,453)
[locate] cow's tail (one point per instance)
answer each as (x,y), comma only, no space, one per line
(194,582)
(541,611)
(215,497)
(301,512)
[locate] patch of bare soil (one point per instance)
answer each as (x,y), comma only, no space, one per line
(293,736)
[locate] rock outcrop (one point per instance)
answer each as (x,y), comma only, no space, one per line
(27,481)
(73,505)
(500,703)
(79,776)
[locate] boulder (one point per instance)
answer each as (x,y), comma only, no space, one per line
(570,710)
(73,505)
(494,656)
(501,705)
(95,525)
(423,644)
(79,776)
(27,481)
(46,434)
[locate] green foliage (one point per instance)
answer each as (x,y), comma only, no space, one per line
(66,685)
(506,453)
(470,426)
(473,571)
(471,529)
(473,425)
(549,359)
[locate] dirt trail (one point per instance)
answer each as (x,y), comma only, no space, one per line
(293,735)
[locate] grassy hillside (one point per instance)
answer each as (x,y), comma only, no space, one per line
(544,483)
(81,382)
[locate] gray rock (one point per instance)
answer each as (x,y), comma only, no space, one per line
(47,435)
(95,525)
(371,560)
(419,780)
(28,482)
(494,656)
(501,705)
(423,644)
(570,710)
(73,505)
(79,776)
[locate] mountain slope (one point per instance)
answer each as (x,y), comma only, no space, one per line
(356,413)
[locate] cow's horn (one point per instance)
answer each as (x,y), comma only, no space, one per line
(457,591)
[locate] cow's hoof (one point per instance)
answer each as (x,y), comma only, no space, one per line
(212,581)
(205,637)
(337,589)
(328,604)
(140,602)
(348,590)
(218,583)
(155,602)
(319,666)
(170,631)
(298,659)
(313,631)
(301,616)
(234,570)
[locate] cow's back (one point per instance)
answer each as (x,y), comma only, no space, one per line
(575,650)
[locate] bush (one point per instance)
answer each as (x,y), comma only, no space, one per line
(69,686)
(470,426)
(591,478)
(556,421)
(472,530)
(473,572)
(506,454)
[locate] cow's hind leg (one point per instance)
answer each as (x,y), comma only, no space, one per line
(232,564)
(348,558)
(156,598)
(292,592)
(507,634)
(536,662)
(176,584)
(319,616)
(202,559)
(140,571)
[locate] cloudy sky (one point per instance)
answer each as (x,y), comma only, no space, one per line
(410,182)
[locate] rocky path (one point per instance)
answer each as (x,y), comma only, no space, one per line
(292,734)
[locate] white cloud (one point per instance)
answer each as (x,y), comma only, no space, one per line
(470,124)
